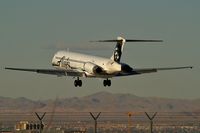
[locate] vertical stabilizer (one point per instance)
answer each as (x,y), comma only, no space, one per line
(118,49)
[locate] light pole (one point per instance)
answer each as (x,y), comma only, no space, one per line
(95,121)
(40,119)
(151,120)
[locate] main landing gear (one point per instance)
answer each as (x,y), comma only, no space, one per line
(107,82)
(78,82)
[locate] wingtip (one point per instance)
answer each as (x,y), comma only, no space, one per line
(189,67)
(7,68)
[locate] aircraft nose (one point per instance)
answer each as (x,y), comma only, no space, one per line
(54,61)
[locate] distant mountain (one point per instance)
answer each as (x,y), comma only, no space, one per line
(102,101)
(18,104)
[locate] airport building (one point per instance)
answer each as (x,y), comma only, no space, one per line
(28,127)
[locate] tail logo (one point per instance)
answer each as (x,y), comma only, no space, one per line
(117,53)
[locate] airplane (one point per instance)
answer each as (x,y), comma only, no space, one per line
(78,65)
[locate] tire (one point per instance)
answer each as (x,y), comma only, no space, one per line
(80,83)
(75,83)
(105,83)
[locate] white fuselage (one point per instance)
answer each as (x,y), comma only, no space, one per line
(71,60)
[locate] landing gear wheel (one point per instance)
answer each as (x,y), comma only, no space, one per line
(107,82)
(75,83)
(104,82)
(78,83)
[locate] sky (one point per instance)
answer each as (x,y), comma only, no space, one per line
(32,31)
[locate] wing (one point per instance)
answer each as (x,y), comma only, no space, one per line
(74,73)
(150,70)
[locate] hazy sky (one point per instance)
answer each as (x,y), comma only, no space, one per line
(32,31)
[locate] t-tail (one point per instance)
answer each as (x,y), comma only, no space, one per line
(116,56)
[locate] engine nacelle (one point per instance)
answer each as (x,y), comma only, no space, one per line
(92,68)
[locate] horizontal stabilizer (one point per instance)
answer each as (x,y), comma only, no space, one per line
(128,40)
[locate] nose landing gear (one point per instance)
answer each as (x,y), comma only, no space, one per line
(107,82)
